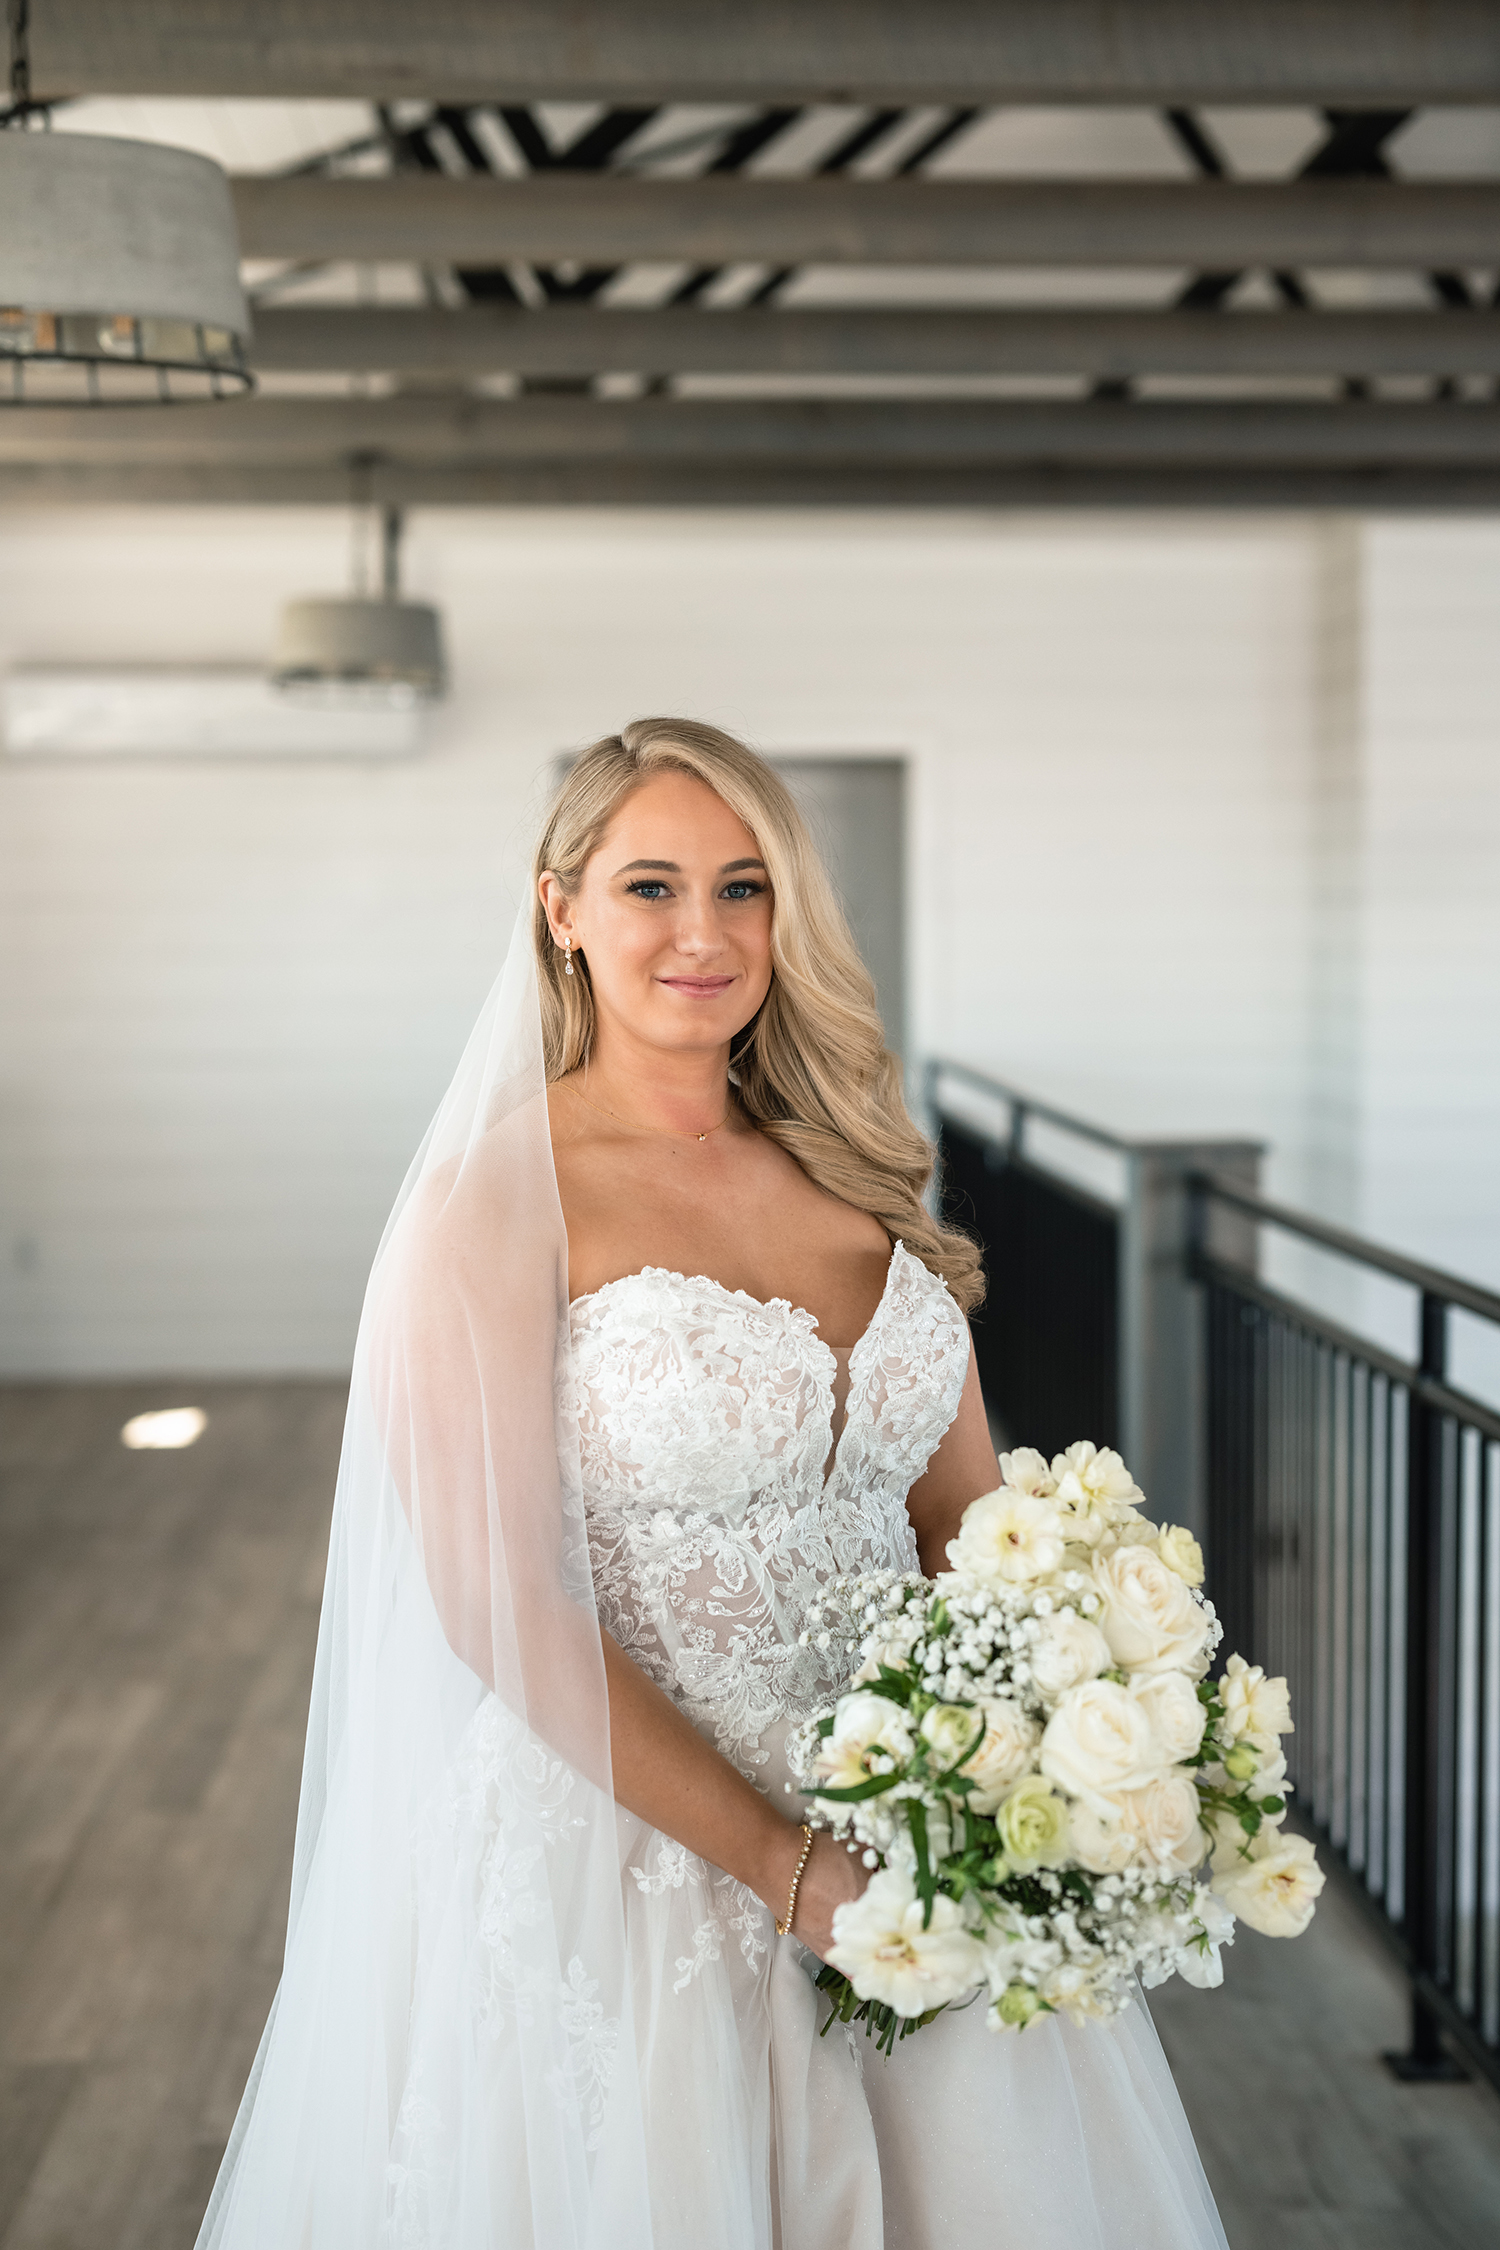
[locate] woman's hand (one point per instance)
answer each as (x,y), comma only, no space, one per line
(832,1877)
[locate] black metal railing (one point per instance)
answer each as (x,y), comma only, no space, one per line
(1348,1495)
(1046,1339)
(1353,1508)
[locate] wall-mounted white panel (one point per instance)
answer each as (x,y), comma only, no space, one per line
(202,712)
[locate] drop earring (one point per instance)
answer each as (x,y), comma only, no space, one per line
(568,957)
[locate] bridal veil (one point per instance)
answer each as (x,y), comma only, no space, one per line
(451,2043)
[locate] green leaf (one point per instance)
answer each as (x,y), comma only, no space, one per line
(876,1786)
(926,1881)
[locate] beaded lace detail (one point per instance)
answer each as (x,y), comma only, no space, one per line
(706,1424)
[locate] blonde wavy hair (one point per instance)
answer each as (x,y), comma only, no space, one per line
(812,1067)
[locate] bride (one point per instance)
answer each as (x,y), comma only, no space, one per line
(660,1337)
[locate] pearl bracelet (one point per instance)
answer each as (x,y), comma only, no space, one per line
(783,1928)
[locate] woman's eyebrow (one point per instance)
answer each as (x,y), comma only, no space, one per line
(670,866)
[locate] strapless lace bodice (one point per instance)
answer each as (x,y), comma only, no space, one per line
(714,1515)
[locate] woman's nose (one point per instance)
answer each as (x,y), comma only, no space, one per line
(699,929)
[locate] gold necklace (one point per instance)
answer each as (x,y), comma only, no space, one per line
(658,1132)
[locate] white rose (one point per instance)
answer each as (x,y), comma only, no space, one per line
(1026,1470)
(1275,1889)
(1098,1741)
(1067,1649)
(1164,1816)
(949,1728)
(1147,1615)
(1180,1551)
(881,1947)
(1094,1491)
(1007,1538)
(1101,1840)
(1004,1754)
(1170,1702)
(865,1728)
(1254,1705)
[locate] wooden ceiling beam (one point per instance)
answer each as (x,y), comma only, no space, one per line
(601,219)
(895,340)
(458,429)
(1343,53)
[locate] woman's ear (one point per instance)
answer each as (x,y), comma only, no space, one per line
(557,906)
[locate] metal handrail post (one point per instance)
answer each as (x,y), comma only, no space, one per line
(1161,1327)
(1423,1806)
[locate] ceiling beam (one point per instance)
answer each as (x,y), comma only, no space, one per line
(916,340)
(460,430)
(606,220)
(757,484)
(1344,53)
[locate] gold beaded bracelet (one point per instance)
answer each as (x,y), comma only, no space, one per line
(783,1928)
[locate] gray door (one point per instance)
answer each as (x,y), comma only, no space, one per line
(856,810)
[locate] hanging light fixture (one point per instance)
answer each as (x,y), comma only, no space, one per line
(119,264)
(362,647)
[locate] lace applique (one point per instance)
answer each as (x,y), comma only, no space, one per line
(705,1426)
(671,1869)
(508,1800)
(708,1940)
(593,2038)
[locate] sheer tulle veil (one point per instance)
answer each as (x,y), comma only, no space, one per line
(451,2044)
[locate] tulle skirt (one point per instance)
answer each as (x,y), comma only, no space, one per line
(763,2135)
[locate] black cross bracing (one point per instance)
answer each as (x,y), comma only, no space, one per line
(598,147)
(1354,146)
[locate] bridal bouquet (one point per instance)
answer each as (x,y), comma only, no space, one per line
(1055,1795)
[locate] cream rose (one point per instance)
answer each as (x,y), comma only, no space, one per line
(1101,1840)
(1253,1705)
(1276,1888)
(1005,1752)
(1147,1615)
(1007,1538)
(1170,1702)
(1099,1741)
(1033,1826)
(1164,1816)
(1068,1648)
(865,1728)
(1180,1551)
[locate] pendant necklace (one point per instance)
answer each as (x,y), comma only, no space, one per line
(659,1132)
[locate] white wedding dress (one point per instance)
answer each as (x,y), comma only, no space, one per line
(719,1497)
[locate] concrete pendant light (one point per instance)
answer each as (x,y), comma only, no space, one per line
(360,647)
(119,265)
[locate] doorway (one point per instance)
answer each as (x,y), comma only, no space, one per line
(856,809)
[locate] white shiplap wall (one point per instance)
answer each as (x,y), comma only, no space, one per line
(230,995)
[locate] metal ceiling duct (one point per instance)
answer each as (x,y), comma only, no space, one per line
(119,265)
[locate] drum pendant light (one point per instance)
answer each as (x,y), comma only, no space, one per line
(119,264)
(359,647)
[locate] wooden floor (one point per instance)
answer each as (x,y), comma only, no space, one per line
(157,1616)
